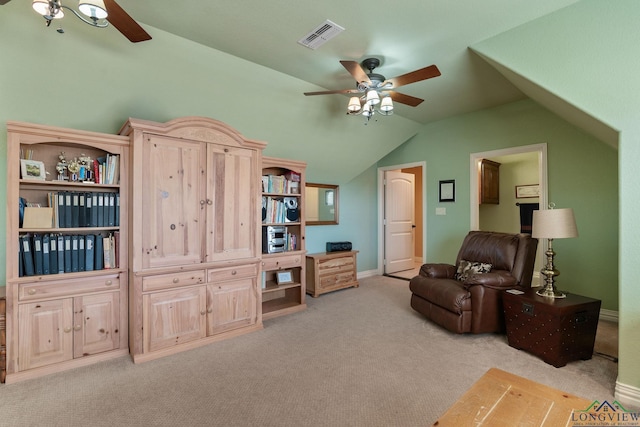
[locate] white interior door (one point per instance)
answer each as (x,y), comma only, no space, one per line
(399,221)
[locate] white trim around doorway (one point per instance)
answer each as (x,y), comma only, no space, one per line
(381,171)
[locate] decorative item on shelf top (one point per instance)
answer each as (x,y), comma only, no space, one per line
(553,224)
(32,169)
(338,246)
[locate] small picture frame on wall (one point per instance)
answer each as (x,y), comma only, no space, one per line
(527,191)
(447,190)
(284,277)
(32,169)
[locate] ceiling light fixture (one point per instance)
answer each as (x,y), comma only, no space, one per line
(95,10)
(364,105)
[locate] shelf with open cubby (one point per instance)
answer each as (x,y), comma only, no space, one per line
(283,229)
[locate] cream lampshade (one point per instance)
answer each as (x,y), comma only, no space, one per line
(553,224)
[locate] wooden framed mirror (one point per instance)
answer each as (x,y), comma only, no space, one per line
(321,204)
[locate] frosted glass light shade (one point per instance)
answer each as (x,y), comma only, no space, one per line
(42,8)
(386,105)
(93,8)
(354,104)
(372,97)
(554,224)
(367,110)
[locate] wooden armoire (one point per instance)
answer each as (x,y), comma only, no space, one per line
(194,235)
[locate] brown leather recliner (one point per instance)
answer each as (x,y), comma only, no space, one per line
(462,300)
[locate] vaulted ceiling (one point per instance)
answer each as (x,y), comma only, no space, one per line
(405,36)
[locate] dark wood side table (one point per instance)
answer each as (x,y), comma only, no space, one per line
(557,330)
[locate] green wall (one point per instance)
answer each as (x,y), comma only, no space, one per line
(582,172)
(94,79)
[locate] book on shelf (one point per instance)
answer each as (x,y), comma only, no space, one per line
(281,184)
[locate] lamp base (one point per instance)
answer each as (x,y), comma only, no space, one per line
(549,292)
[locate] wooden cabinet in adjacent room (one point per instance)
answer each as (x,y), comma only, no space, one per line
(489,182)
(67,235)
(196,234)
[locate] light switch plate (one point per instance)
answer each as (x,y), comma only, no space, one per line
(441,211)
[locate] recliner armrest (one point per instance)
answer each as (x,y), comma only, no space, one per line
(438,271)
(493,280)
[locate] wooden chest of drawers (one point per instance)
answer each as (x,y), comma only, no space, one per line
(556,330)
(330,271)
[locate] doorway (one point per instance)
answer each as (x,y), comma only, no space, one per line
(511,158)
(419,232)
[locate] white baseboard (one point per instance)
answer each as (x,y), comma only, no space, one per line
(627,395)
(368,273)
(609,315)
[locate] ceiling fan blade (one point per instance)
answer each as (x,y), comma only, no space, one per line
(356,71)
(125,23)
(4,2)
(411,101)
(414,76)
(329,92)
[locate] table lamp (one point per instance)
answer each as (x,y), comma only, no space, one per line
(553,224)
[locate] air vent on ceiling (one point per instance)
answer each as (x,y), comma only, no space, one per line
(325,32)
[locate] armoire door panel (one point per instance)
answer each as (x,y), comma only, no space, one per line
(174,202)
(232,220)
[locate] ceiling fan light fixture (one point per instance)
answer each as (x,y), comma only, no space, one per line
(367,110)
(386,106)
(372,97)
(47,9)
(354,104)
(94,9)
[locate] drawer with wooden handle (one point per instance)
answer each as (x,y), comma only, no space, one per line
(172,280)
(281,262)
(35,291)
(230,273)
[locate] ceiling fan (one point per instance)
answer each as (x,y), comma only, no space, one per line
(371,88)
(100,14)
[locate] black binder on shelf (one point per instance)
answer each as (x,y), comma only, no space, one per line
(74,253)
(81,254)
(111,209)
(101,222)
(53,254)
(88,207)
(89,248)
(27,256)
(68,216)
(117,218)
(61,257)
(94,209)
(37,253)
(61,211)
(67,254)
(82,211)
(20,260)
(75,210)
(46,261)
(99,254)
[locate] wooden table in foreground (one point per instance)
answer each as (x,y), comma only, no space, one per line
(499,398)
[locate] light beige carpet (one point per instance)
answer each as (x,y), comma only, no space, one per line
(356,357)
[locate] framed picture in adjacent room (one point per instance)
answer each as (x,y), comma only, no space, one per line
(527,191)
(447,190)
